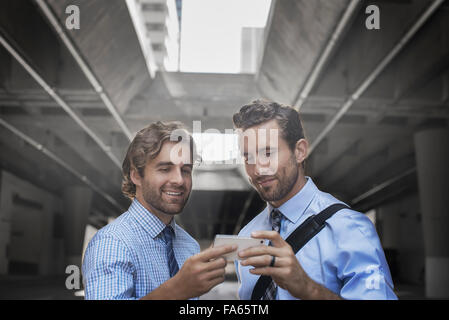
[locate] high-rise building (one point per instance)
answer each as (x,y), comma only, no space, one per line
(161,20)
(179,11)
(251,49)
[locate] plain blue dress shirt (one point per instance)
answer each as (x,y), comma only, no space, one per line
(346,256)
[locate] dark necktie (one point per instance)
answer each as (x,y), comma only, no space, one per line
(172,263)
(276,217)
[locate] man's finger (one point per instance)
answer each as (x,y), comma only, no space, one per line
(273,236)
(264,261)
(216,281)
(266,271)
(259,251)
(215,274)
(215,252)
(259,261)
(219,263)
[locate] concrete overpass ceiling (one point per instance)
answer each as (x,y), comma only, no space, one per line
(40,173)
(417,72)
(210,86)
(385,114)
(210,98)
(28,31)
(86,151)
(34,109)
(26,105)
(298,32)
(118,62)
(19,89)
(361,49)
(369,144)
(47,174)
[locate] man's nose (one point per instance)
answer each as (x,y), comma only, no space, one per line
(261,166)
(265,166)
(176,177)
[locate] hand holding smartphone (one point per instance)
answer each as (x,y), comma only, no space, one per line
(241,242)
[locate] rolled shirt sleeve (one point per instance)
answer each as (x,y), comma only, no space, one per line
(108,272)
(360,261)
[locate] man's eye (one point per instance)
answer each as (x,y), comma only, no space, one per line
(163,169)
(270,153)
(187,170)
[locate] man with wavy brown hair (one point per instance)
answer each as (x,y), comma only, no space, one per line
(144,254)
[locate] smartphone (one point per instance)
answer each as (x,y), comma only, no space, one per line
(241,242)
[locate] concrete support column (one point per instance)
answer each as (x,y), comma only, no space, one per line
(432,157)
(76,208)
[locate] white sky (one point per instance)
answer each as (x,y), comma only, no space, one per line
(211,32)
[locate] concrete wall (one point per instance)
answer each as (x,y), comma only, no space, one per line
(400,230)
(29,239)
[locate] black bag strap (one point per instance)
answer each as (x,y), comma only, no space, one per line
(298,238)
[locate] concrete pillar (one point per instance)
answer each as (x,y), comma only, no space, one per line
(432,158)
(76,208)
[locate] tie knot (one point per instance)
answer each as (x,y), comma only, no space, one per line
(276,217)
(169,234)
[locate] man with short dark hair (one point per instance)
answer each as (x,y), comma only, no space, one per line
(343,260)
(144,254)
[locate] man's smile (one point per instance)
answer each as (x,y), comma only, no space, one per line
(174,194)
(265,182)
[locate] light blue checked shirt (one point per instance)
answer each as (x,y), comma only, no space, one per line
(127,259)
(346,256)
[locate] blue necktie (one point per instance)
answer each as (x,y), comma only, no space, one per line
(270,293)
(172,263)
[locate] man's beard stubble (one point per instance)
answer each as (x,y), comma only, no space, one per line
(153,197)
(286,181)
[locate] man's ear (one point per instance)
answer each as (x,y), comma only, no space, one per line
(301,150)
(135,177)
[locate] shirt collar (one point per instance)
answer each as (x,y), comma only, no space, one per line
(151,224)
(294,208)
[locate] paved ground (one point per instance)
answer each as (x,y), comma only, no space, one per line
(35,288)
(53,288)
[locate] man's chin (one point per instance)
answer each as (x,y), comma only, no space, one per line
(169,208)
(268,196)
(173,209)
